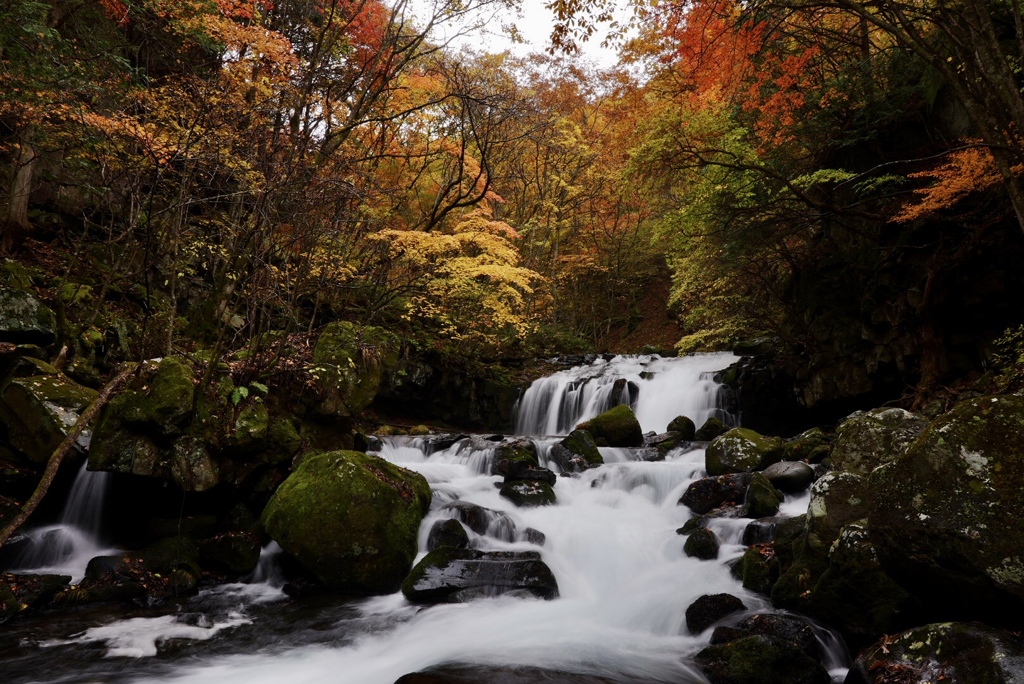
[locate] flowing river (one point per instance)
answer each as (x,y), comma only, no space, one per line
(610,541)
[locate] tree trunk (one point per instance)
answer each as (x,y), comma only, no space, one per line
(17,225)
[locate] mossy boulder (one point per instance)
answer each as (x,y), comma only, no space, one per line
(759,569)
(866,440)
(953,653)
(40,410)
(528,493)
(348,363)
(576,453)
(702,544)
(837,500)
(762,499)
(709,609)
(169,400)
(24,319)
(616,427)
(812,446)
(449,532)
(741,451)
(711,428)
(519,451)
(708,493)
(948,517)
(453,575)
(759,659)
(351,519)
(856,595)
(684,427)
(249,431)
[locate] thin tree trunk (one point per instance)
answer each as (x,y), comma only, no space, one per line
(58,456)
(21,188)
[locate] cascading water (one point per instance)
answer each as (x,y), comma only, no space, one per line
(66,547)
(658,389)
(624,582)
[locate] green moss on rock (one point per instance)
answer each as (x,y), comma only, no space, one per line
(351,519)
(616,427)
(40,410)
(348,363)
(528,493)
(762,499)
(741,450)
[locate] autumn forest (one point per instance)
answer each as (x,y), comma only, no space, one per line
(840,180)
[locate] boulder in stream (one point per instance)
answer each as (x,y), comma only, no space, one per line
(790,477)
(450,575)
(760,659)
(711,428)
(702,544)
(709,493)
(741,451)
(351,519)
(709,609)
(684,427)
(947,518)
(448,532)
(951,653)
(576,453)
(528,493)
(616,427)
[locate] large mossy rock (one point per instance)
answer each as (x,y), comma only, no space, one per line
(453,575)
(837,500)
(616,427)
(741,451)
(762,498)
(948,517)
(866,440)
(709,493)
(24,319)
(350,519)
(760,659)
(40,410)
(348,362)
(951,653)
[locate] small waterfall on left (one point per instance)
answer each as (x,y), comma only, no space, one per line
(65,547)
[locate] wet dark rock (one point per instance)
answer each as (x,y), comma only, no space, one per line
(491,674)
(711,428)
(39,411)
(789,628)
(684,427)
(702,544)
(533,536)
(166,569)
(760,532)
(953,653)
(526,493)
(741,451)
(837,500)
(521,470)
(710,492)
(709,609)
(759,659)
(22,592)
(448,532)
(616,427)
(453,575)
(762,500)
(476,518)
(759,569)
(234,552)
(434,443)
(516,451)
(789,477)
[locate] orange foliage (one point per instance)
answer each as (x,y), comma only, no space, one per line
(964,172)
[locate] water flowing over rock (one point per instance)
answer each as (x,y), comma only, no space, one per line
(351,519)
(665,389)
(456,575)
(616,427)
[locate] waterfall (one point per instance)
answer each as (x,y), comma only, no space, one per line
(657,389)
(66,547)
(610,541)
